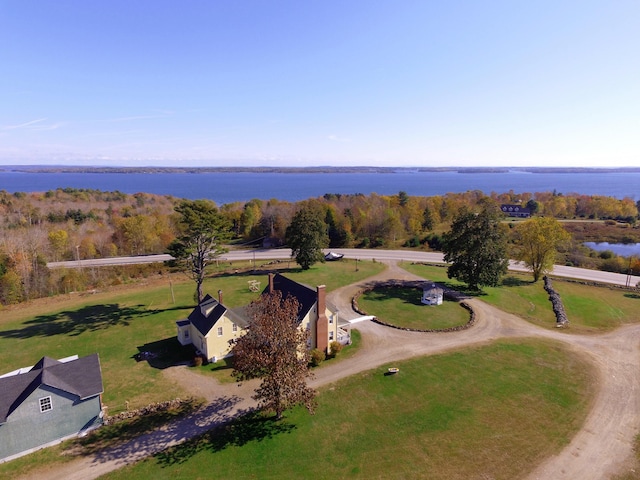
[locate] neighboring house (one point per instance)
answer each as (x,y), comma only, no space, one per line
(210,327)
(432,294)
(316,315)
(49,402)
(516,211)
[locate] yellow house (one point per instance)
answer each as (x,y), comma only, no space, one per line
(210,327)
(316,315)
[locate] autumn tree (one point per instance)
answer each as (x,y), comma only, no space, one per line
(275,350)
(476,248)
(59,241)
(307,235)
(203,231)
(538,240)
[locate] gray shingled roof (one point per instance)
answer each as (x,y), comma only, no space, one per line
(209,311)
(81,377)
(306,296)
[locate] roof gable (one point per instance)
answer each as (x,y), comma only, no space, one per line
(306,296)
(81,377)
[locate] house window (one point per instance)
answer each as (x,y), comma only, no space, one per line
(331,335)
(45,404)
(235,328)
(219,331)
(331,319)
(186,334)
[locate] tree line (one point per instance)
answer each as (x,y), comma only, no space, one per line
(73,224)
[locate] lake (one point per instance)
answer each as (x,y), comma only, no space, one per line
(231,187)
(620,249)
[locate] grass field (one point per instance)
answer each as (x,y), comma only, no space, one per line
(402,307)
(119,323)
(485,412)
(488,412)
(590,309)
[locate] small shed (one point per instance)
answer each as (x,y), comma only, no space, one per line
(432,294)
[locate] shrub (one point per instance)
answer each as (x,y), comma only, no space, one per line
(197,361)
(335,348)
(317,357)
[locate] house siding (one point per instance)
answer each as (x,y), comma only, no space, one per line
(218,346)
(27,429)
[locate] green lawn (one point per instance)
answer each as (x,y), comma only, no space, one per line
(118,324)
(402,307)
(589,308)
(488,412)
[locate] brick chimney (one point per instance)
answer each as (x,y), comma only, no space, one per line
(271,277)
(220,297)
(322,324)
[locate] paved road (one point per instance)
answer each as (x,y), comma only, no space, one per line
(360,254)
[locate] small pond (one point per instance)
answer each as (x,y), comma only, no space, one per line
(621,249)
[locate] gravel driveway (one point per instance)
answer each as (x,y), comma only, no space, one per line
(602,448)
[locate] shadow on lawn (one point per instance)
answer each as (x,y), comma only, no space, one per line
(407,294)
(632,295)
(165,353)
(75,322)
(515,282)
(251,426)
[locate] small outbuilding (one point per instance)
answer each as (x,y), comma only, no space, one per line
(432,294)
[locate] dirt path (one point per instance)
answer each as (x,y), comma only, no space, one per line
(602,448)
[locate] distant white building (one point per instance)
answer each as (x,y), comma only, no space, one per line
(432,295)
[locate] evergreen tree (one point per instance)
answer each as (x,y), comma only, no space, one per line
(476,247)
(203,232)
(307,236)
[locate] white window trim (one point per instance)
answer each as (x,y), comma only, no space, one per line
(220,331)
(46,405)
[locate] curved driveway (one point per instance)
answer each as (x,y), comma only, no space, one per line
(602,448)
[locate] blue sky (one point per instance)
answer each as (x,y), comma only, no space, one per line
(307,83)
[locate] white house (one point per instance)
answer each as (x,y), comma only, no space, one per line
(432,295)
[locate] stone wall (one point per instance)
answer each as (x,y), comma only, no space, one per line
(556,303)
(417,284)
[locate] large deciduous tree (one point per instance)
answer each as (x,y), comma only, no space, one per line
(275,350)
(203,231)
(538,240)
(476,248)
(307,235)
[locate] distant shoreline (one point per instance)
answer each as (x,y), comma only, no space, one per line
(323,169)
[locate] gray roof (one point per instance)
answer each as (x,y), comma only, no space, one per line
(306,296)
(81,377)
(209,311)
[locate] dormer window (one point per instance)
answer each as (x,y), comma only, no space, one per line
(45,404)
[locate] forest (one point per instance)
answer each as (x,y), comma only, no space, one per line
(74,224)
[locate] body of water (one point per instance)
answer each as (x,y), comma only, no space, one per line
(620,249)
(231,187)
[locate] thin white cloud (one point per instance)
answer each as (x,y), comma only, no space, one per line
(24,125)
(37,124)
